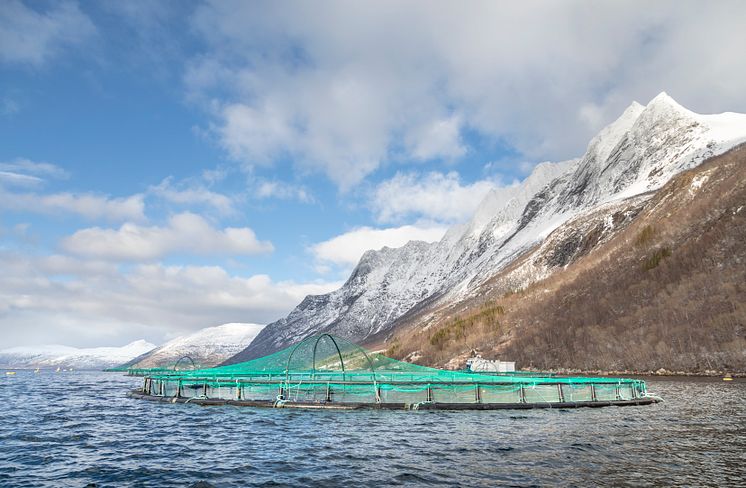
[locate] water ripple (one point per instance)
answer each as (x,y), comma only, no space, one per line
(55,432)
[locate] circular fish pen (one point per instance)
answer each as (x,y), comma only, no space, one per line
(326,371)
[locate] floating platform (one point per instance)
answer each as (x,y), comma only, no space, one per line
(325,371)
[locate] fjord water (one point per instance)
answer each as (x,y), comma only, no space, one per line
(75,428)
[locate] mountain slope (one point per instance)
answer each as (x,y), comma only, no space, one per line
(206,347)
(53,356)
(635,155)
(666,289)
(388,282)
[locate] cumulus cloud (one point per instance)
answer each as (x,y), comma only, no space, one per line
(31,36)
(87,205)
(403,81)
(434,196)
(98,303)
(190,193)
(437,139)
(185,233)
(346,249)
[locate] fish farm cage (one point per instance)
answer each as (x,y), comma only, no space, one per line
(326,371)
(184,363)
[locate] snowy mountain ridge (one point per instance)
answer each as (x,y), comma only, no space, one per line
(53,356)
(206,347)
(633,156)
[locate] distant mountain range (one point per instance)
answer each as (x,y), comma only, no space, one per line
(399,298)
(56,356)
(206,347)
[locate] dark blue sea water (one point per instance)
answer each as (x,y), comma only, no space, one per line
(75,429)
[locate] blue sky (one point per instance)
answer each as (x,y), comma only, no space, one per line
(168,166)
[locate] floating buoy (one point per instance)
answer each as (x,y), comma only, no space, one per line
(727,377)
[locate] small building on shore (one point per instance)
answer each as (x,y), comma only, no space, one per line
(479,364)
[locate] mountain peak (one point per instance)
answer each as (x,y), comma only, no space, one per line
(605,141)
(663,103)
(140,343)
(634,107)
(663,97)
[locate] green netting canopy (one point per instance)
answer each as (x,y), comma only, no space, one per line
(331,371)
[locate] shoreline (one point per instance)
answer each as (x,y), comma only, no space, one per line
(661,373)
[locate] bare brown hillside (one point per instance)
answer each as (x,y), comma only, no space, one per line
(666,288)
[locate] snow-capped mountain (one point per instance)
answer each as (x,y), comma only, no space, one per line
(206,347)
(54,356)
(632,157)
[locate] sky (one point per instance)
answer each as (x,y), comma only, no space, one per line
(171,165)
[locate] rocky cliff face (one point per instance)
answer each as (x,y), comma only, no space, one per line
(629,159)
(641,284)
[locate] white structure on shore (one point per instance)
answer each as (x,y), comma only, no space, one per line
(479,364)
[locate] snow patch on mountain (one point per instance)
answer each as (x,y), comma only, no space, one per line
(206,347)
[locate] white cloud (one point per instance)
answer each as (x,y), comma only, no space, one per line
(94,206)
(185,233)
(215,175)
(283,191)
(310,132)
(346,87)
(39,169)
(434,196)
(253,134)
(8,178)
(33,37)
(188,193)
(346,249)
(58,299)
(437,139)
(26,173)
(88,205)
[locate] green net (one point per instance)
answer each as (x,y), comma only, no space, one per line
(326,368)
